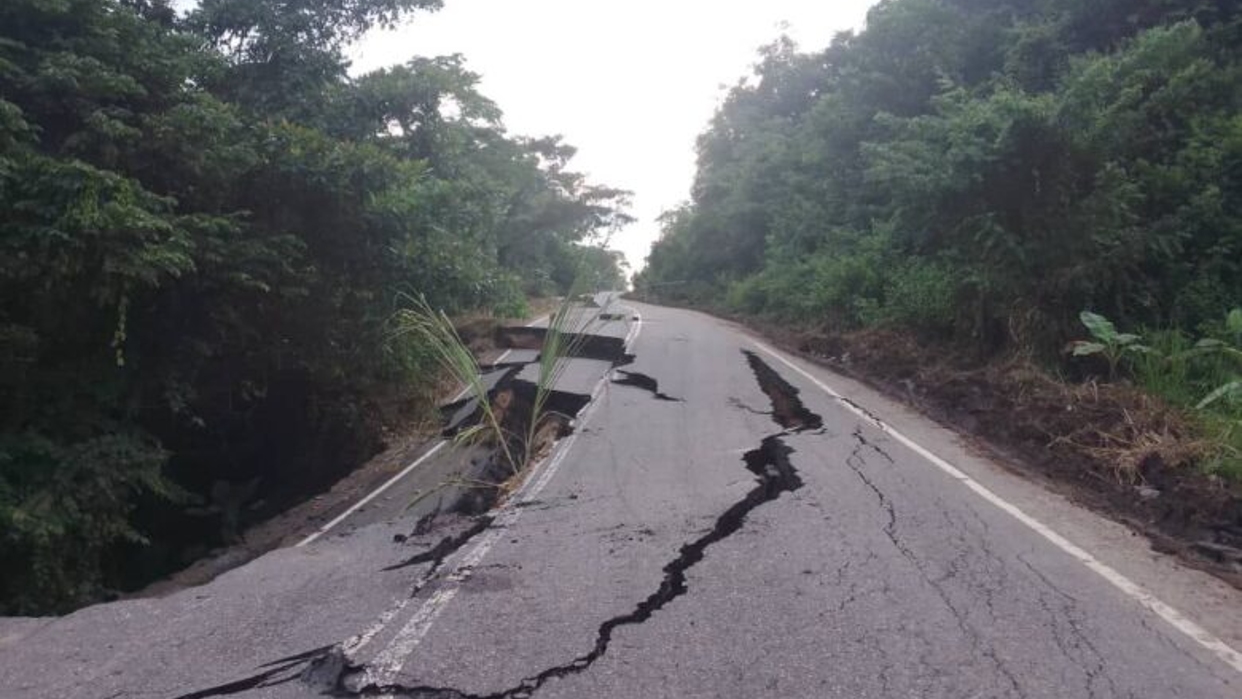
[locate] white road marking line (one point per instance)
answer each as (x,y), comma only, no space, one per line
(1131,589)
(373,494)
(355,643)
(389,661)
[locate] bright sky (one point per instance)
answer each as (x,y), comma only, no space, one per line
(630,84)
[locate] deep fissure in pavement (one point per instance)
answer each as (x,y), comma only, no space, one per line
(643,382)
(787,409)
(270,675)
(774,475)
(585,346)
(512,402)
(509,390)
(511,397)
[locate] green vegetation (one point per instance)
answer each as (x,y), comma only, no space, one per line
(1203,376)
(568,328)
(1106,341)
(207,227)
(980,171)
(433,329)
(517,432)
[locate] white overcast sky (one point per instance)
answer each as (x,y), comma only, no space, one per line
(630,84)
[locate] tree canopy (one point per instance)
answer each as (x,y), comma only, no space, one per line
(207,226)
(977,169)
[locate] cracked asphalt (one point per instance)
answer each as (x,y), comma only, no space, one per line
(716,526)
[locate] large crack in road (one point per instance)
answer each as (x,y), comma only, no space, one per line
(774,475)
(787,409)
(330,665)
(331,671)
(643,382)
(446,546)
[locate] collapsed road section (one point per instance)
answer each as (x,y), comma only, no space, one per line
(331,671)
(774,475)
(678,548)
(469,507)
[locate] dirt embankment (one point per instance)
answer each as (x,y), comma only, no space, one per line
(1107,445)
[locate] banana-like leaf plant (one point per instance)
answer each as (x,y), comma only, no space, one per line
(1232,348)
(1107,342)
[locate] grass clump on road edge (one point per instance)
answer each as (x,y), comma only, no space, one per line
(567,330)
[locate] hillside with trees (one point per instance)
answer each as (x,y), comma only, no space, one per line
(1051,183)
(208,225)
(980,168)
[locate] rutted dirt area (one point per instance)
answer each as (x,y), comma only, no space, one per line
(1106,445)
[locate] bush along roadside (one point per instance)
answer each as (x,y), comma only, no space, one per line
(1138,451)
(1201,376)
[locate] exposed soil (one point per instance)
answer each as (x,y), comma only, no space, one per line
(1108,446)
(481,332)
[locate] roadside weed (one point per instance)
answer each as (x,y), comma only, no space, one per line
(520,432)
(1203,376)
(1107,342)
(568,328)
(435,329)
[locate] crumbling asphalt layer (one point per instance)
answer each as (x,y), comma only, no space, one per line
(309,666)
(329,668)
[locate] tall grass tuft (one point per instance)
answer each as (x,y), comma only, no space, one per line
(568,327)
(1205,377)
(567,330)
(436,331)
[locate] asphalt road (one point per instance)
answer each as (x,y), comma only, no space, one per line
(723,522)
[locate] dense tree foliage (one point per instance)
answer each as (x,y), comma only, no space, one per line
(978,169)
(206,225)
